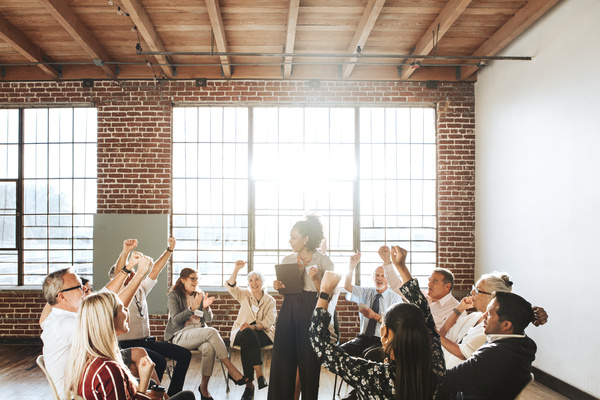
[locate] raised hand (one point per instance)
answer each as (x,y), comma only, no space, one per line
(129,244)
(134,259)
(384,254)
(330,281)
(144,264)
(171,243)
(239,264)
(465,304)
(399,256)
(354,260)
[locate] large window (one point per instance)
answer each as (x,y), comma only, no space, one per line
(47,192)
(242,177)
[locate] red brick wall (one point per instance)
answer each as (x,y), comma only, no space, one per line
(134,153)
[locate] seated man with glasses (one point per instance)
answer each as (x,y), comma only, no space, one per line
(64,291)
(139,325)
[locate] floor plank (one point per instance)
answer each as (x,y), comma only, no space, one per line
(21,378)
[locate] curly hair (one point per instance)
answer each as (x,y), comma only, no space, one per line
(312,228)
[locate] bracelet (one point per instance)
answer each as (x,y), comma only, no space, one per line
(456,312)
(169,250)
(127,271)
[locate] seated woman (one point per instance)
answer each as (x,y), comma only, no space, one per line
(416,366)
(461,336)
(189,311)
(255,325)
(95,369)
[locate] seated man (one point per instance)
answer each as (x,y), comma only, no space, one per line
(500,368)
(438,293)
(139,324)
(375,300)
(63,291)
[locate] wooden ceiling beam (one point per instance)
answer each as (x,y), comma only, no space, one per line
(292,22)
(73,25)
(447,17)
(370,15)
(522,20)
(214,14)
(146,28)
(23,45)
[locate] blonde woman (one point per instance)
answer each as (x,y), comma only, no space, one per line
(95,369)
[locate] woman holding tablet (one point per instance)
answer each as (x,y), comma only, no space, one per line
(292,351)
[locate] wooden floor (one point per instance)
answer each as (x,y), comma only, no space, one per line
(21,378)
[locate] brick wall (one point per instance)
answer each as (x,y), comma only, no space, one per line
(134,154)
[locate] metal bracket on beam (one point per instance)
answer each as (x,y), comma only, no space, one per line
(340,71)
(174,71)
(400,69)
(457,73)
(98,62)
(117,70)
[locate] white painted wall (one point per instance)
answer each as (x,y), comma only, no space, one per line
(538,183)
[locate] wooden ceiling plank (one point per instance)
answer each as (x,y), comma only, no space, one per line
(216,20)
(292,22)
(146,28)
(446,18)
(522,20)
(23,45)
(370,15)
(73,25)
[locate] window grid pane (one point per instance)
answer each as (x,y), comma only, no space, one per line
(210,190)
(59,191)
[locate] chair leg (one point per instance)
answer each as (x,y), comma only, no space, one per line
(339,387)
(225,376)
(334,386)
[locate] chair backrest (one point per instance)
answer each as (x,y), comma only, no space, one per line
(40,362)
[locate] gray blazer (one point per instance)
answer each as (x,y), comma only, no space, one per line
(179,312)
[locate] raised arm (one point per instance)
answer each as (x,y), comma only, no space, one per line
(354,260)
(128,246)
(399,260)
(239,264)
(465,304)
(127,294)
(162,261)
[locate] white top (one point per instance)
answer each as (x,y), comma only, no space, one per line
(440,309)
(322,262)
(139,326)
(468,335)
(366,296)
(251,310)
(57,336)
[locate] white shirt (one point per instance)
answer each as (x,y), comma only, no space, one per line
(57,336)
(366,295)
(469,336)
(440,309)
(139,326)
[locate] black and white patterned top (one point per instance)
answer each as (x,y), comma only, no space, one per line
(372,380)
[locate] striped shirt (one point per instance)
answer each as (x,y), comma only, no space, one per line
(105,379)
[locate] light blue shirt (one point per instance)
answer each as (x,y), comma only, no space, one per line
(367,295)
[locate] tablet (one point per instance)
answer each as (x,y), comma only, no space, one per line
(291,276)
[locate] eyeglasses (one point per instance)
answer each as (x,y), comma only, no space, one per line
(477,290)
(80,287)
(193,279)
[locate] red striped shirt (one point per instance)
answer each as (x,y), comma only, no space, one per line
(104,379)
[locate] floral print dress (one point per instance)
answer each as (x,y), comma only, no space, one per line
(372,380)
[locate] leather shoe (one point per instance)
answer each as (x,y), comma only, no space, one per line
(242,381)
(248,393)
(202,397)
(262,382)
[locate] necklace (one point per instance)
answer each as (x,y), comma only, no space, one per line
(302,263)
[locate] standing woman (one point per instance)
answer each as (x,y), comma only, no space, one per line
(95,369)
(189,311)
(255,325)
(292,350)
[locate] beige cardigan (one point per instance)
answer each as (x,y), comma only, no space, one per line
(266,314)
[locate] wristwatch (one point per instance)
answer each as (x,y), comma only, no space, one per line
(127,271)
(169,250)
(324,296)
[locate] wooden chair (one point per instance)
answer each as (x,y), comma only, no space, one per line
(40,361)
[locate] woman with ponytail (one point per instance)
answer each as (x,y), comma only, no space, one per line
(189,311)
(95,369)
(292,353)
(414,367)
